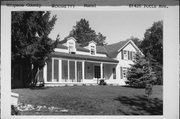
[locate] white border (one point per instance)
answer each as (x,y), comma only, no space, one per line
(171,62)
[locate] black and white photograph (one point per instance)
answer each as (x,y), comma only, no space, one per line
(87,62)
(93,62)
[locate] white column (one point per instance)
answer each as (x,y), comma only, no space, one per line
(83,70)
(101,70)
(68,70)
(45,73)
(60,70)
(75,70)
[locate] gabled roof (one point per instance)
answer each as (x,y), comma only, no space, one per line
(79,48)
(92,42)
(101,49)
(115,46)
(63,41)
(112,49)
(61,46)
(69,38)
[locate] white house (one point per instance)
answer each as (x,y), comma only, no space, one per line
(72,63)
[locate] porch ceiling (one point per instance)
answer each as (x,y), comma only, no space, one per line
(84,57)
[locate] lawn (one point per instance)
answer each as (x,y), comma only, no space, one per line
(92,100)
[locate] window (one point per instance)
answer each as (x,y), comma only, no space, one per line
(114,73)
(125,54)
(97,72)
(92,50)
(128,55)
(124,71)
(133,55)
(71,48)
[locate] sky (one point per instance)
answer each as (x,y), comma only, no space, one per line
(115,25)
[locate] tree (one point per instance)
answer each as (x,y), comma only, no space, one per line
(153,44)
(31,45)
(100,39)
(83,33)
(136,40)
(141,73)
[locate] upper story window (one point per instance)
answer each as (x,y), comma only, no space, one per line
(71,48)
(92,50)
(128,55)
(133,55)
(125,54)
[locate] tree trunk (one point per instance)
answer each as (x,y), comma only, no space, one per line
(34,75)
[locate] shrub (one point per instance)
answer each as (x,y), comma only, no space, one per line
(102,82)
(140,73)
(14,110)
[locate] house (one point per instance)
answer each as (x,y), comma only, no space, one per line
(73,63)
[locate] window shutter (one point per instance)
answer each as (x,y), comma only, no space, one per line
(122,54)
(128,55)
(121,73)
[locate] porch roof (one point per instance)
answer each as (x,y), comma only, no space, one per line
(84,57)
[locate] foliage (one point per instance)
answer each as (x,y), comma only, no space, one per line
(14,110)
(83,33)
(140,72)
(153,44)
(30,42)
(100,39)
(148,90)
(102,82)
(136,40)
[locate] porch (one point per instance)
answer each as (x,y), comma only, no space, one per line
(62,71)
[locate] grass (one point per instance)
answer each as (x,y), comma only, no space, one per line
(93,100)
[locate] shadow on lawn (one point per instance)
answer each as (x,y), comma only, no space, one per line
(139,105)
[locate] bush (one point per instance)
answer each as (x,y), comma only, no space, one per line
(14,110)
(140,73)
(102,82)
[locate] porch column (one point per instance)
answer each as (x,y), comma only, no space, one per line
(45,73)
(101,70)
(68,70)
(75,70)
(83,70)
(60,70)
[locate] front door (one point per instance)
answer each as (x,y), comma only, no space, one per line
(97,72)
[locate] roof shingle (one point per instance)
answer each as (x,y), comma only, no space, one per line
(84,57)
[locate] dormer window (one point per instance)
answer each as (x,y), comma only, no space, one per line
(71,48)
(71,44)
(92,50)
(92,47)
